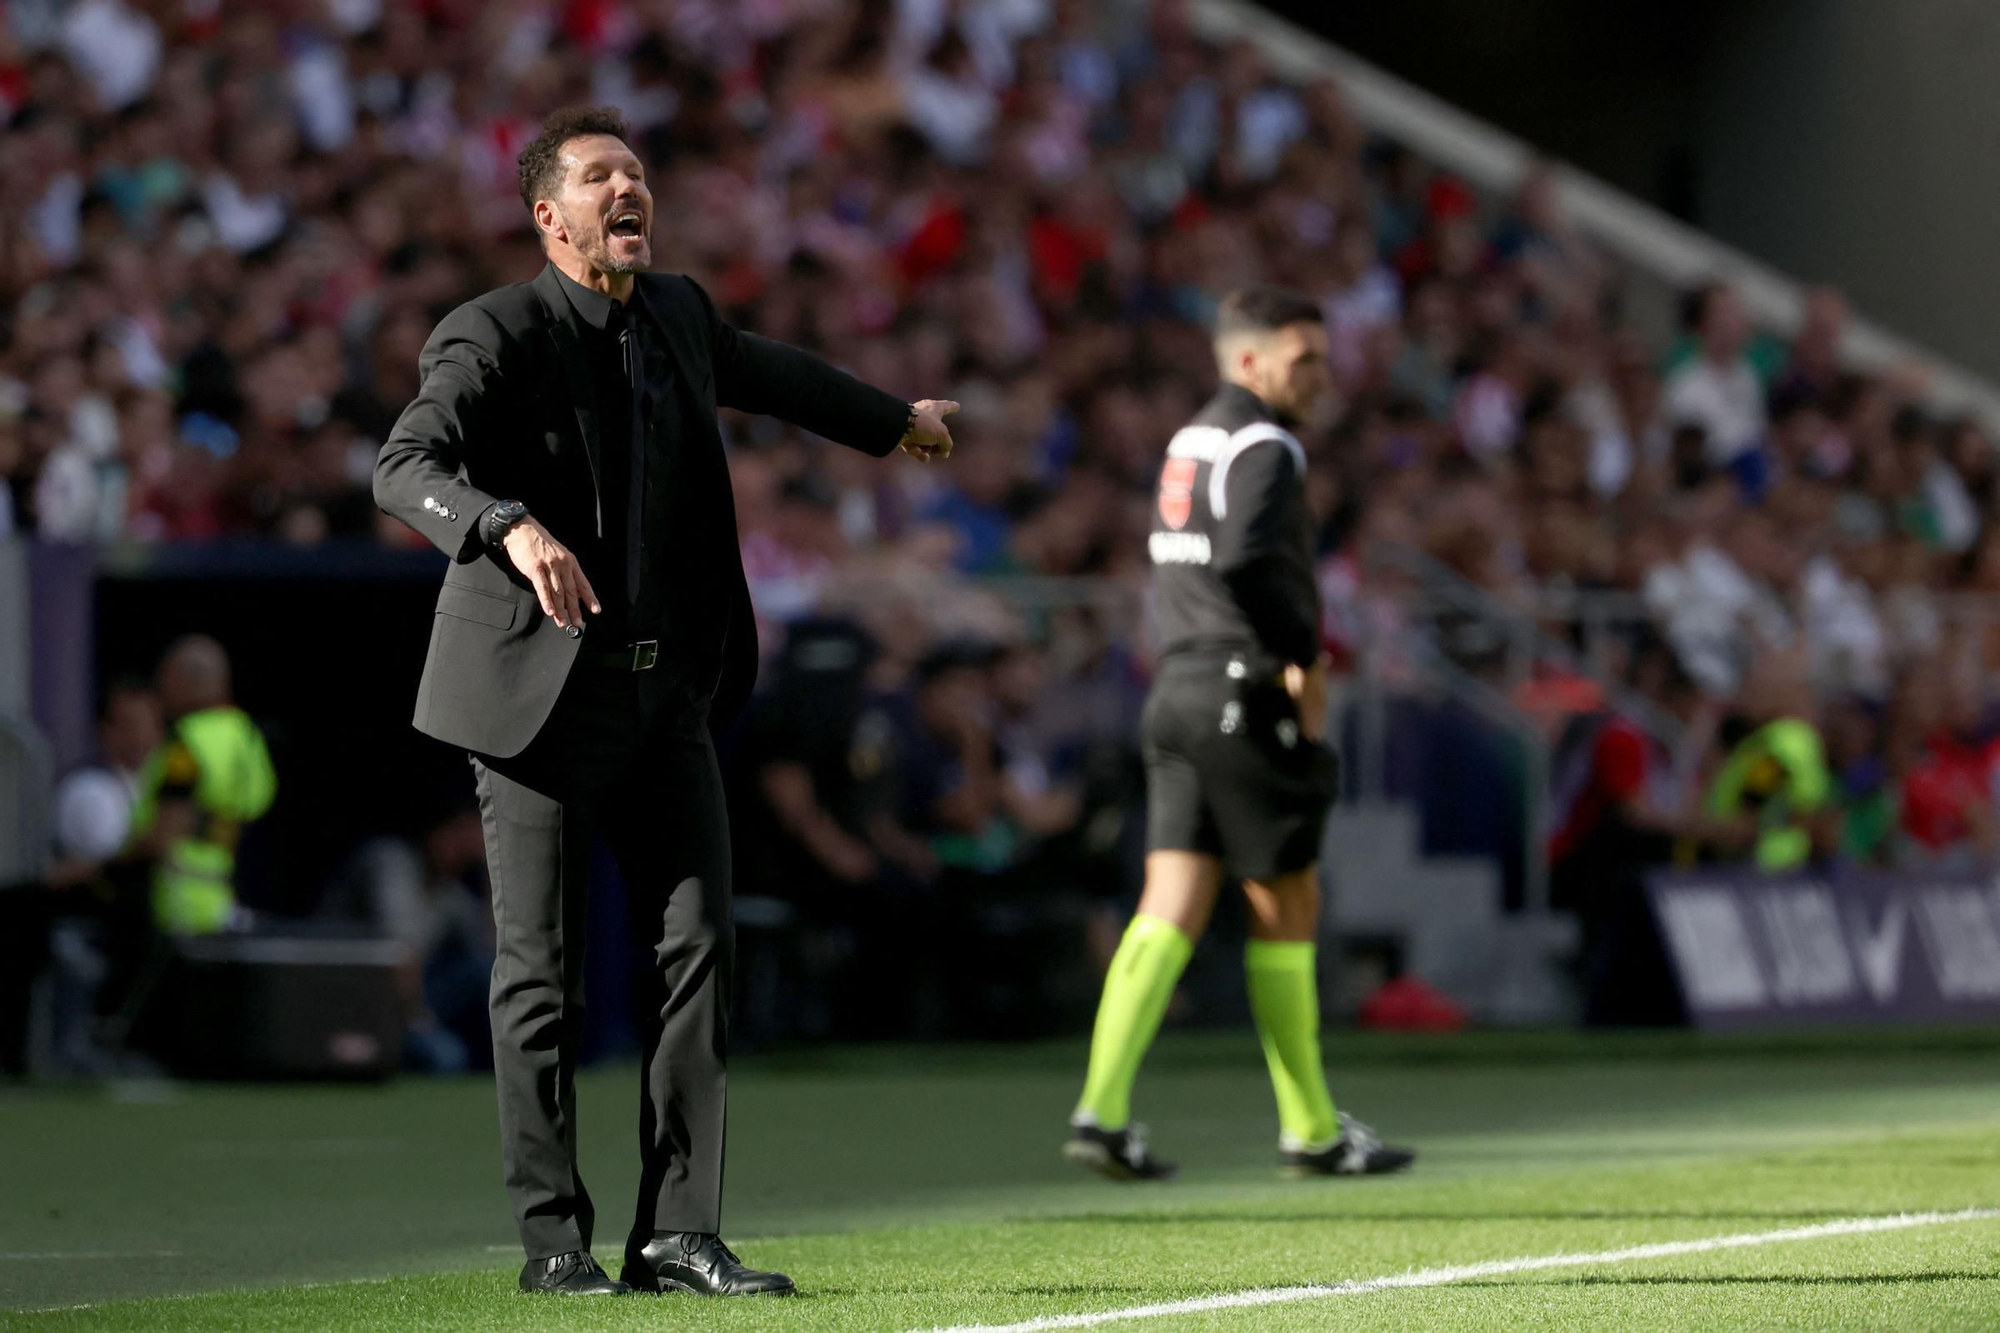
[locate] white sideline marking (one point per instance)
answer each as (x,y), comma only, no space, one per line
(1437,1277)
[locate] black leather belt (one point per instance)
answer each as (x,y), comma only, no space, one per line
(639,656)
(1241,667)
(1236,664)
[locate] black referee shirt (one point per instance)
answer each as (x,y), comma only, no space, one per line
(1232,536)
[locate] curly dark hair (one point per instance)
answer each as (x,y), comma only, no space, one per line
(540,162)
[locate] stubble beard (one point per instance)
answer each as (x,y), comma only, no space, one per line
(605,260)
(599,255)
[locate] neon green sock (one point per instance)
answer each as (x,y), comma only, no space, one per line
(1143,972)
(1284,997)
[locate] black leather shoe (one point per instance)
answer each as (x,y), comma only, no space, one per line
(1357,1152)
(572,1274)
(692,1261)
(1121,1154)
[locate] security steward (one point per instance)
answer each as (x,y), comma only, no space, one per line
(593,630)
(210,779)
(1238,779)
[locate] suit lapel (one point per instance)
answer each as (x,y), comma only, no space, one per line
(582,391)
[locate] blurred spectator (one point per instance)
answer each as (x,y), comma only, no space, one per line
(1719,390)
(1815,367)
(821,832)
(226,253)
(947,776)
(1864,789)
(429,896)
(93,805)
(1076,788)
(1621,804)
(1935,508)
(1948,743)
(1710,605)
(1618,801)
(809,767)
(1362,298)
(977,502)
(995,838)
(1557,265)
(152,854)
(223,249)
(93,823)
(1774,789)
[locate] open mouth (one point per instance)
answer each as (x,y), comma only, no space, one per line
(628,223)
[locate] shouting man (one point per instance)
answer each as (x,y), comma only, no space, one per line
(593,630)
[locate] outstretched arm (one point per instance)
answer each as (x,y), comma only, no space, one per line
(756,374)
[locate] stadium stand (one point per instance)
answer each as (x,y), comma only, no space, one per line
(226,241)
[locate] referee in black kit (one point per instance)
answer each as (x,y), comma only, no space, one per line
(1238,780)
(593,629)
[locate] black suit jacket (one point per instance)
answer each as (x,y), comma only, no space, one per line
(508,411)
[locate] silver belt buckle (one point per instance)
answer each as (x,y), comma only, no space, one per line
(644,654)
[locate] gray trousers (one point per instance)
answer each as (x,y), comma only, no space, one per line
(624,757)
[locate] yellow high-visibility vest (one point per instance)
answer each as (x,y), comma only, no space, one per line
(219,755)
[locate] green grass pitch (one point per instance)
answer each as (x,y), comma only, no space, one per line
(913,1189)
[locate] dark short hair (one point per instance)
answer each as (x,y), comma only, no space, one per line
(958,653)
(1264,309)
(121,686)
(1910,425)
(540,162)
(1695,304)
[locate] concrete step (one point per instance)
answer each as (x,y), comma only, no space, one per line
(1377,832)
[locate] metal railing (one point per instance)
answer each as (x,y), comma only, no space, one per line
(1390,666)
(1523,625)
(1424,667)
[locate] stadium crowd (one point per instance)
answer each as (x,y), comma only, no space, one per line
(226,239)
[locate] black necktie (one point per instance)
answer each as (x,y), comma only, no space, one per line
(635,499)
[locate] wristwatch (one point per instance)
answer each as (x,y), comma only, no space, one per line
(501,517)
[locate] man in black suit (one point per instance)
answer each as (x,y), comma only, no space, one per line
(593,629)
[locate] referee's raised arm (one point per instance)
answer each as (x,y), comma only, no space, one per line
(758,374)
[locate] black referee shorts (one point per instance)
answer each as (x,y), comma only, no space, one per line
(1229,772)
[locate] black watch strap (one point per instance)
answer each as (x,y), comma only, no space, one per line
(501,517)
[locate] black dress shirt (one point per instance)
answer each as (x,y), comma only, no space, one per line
(644,473)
